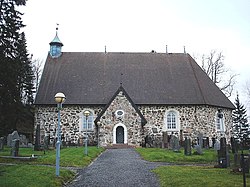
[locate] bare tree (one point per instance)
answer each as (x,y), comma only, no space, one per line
(37,68)
(213,65)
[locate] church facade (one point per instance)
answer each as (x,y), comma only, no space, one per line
(130,96)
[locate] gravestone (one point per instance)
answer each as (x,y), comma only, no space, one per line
(148,141)
(1,143)
(187,147)
(213,142)
(80,141)
(14,135)
(15,147)
(37,139)
(175,143)
(217,145)
(206,142)
(200,139)
(164,140)
(46,142)
(223,156)
(23,140)
(9,140)
(244,162)
(198,150)
(181,138)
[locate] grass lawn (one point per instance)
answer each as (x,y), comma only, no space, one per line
(28,175)
(193,176)
(198,176)
(164,155)
(31,173)
(72,156)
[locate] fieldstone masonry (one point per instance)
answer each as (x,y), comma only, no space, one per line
(193,120)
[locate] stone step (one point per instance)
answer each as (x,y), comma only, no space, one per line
(119,146)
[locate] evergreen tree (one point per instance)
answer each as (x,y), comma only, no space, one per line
(240,123)
(16,76)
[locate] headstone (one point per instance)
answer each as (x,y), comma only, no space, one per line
(200,139)
(15,147)
(9,140)
(213,141)
(206,142)
(245,162)
(223,156)
(46,142)
(14,135)
(181,138)
(187,147)
(23,141)
(80,141)
(1,143)
(217,145)
(37,139)
(198,149)
(237,158)
(148,141)
(164,140)
(175,143)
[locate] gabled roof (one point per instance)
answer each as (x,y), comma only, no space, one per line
(143,120)
(149,78)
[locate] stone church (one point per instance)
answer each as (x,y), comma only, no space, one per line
(130,96)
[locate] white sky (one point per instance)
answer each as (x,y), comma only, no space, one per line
(144,25)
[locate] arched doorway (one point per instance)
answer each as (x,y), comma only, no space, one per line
(120,135)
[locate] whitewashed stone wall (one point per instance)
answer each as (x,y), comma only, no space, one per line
(71,116)
(193,120)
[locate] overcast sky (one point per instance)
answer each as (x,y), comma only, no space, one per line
(142,26)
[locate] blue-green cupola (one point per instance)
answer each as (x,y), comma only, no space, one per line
(55,47)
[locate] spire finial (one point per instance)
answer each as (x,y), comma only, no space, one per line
(184,49)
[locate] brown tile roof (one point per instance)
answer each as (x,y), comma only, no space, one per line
(148,78)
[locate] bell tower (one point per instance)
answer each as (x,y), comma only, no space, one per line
(55,46)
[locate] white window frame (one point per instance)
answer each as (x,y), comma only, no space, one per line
(82,119)
(119,116)
(219,123)
(177,121)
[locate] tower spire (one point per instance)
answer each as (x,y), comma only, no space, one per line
(56,45)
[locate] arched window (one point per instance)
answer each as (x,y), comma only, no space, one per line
(172,120)
(219,122)
(83,121)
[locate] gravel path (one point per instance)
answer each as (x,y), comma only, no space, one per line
(118,167)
